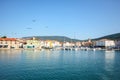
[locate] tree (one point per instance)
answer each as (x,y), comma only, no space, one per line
(4,37)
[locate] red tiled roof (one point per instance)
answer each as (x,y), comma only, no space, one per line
(8,39)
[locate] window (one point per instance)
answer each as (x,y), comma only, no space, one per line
(10,42)
(15,42)
(5,46)
(0,46)
(1,42)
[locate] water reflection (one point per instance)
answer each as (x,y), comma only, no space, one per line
(31,54)
(7,55)
(109,63)
(37,55)
(109,60)
(109,55)
(81,65)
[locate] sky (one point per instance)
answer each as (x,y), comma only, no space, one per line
(80,19)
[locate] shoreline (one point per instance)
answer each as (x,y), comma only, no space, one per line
(65,50)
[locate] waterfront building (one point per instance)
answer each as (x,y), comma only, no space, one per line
(87,43)
(56,43)
(9,43)
(117,43)
(68,44)
(51,44)
(32,44)
(42,42)
(48,44)
(22,42)
(105,43)
(78,44)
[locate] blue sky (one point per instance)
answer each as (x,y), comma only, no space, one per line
(80,19)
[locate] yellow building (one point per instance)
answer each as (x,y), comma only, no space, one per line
(51,44)
(48,44)
(33,43)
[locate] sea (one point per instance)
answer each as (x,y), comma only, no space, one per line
(59,65)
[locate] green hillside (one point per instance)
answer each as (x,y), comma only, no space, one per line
(112,37)
(67,39)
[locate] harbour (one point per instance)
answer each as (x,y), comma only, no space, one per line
(60,40)
(59,65)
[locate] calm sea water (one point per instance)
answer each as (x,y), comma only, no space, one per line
(59,65)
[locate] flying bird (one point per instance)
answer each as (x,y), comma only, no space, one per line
(28,28)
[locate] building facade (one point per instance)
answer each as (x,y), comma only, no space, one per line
(51,44)
(9,43)
(32,44)
(117,43)
(105,43)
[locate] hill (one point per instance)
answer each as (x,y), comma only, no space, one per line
(67,39)
(58,38)
(112,37)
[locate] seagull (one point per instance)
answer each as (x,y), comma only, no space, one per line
(28,28)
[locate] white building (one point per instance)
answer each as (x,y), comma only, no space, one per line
(68,44)
(105,43)
(56,44)
(78,44)
(8,43)
(117,43)
(51,44)
(33,43)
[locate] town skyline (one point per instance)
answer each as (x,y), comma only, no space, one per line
(74,18)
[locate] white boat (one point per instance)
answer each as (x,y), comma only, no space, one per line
(94,49)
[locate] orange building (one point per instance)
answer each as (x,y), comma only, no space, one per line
(8,43)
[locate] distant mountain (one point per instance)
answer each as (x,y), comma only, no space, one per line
(58,38)
(67,39)
(112,37)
